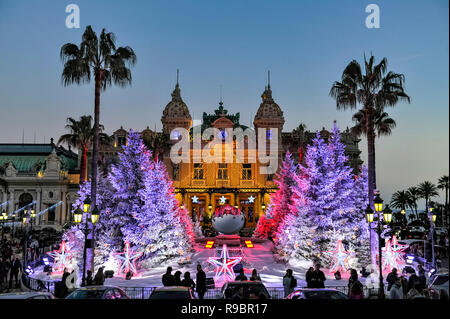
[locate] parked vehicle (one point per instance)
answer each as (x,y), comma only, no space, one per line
(173,292)
(27,295)
(321,293)
(248,286)
(437,283)
(98,292)
(441,231)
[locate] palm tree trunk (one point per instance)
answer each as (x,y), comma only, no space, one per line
(371,176)
(83,165)
(98,82)
(446,207)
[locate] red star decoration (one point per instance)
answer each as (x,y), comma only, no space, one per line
(224,265)
(340,258)
(60,257)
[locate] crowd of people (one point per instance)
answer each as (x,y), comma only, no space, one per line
(175,280)
(10,264)
(414,287)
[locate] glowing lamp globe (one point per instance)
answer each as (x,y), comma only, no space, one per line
(228,220)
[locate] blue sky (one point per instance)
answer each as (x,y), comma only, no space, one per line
(305,44)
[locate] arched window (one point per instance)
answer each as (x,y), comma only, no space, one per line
(24,200)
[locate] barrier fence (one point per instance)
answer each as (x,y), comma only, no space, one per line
(145,292)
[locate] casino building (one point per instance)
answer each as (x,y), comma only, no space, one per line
(202,187)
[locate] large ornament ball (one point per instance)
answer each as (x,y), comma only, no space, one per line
(228,220)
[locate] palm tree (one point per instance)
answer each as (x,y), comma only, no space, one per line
(443,184)
(158,144)
(382,123)
(427,190)
(400,199)
(414,196)
(373,90)
(81,136)
(107,64)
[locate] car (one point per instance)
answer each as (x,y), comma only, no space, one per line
(27,295)
(98,292)
(248,286)
(417,229)
(317,293)
(441,231)
(173,292)
(437,283)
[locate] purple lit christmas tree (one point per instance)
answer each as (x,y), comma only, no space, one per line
(325,205)
(161,229)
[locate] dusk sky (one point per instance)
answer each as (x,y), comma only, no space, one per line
(305,44)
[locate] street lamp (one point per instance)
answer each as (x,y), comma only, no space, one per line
(387,215)
(27,220)
(432,216)
(78,217)
(3,219)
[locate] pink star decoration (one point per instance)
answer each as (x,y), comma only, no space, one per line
(127,260)
(340,258)
(60,257)
(224,265)
(393,254)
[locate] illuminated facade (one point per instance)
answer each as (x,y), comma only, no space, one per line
(202,187)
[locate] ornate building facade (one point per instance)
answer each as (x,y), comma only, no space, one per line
(43,177)
(201,187)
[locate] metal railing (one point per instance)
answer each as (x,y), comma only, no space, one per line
(145,292)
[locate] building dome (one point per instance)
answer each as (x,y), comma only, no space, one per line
(268,108)
(176,108)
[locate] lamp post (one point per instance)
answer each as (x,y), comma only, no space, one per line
(3,218)
(78,217)
(432,216)
(387,215)
(27,220)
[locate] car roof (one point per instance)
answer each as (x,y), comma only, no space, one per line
(23,295)
(316,289)
(245,282)
(98,287)
(172,288)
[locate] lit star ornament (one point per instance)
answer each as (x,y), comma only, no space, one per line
(340,258)
(251,199)
(127,260)
(393,254)
(194,199)
(61,258)
(224,265)
(222,200)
